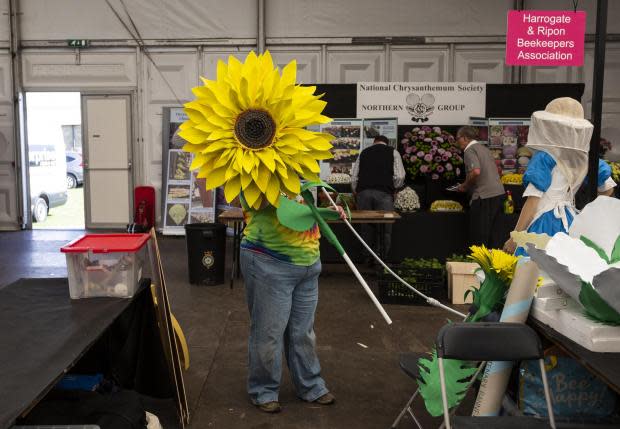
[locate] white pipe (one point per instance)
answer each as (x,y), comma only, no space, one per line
(429,300)
(367,289)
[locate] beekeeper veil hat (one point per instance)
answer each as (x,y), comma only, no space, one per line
(562,132)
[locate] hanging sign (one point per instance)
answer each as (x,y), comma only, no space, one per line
(78,43)
(428,103)
(545,38)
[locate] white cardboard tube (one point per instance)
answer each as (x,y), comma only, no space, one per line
(429,300)
(516,309)
(367,289)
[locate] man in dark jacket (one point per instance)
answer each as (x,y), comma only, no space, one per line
(375,176)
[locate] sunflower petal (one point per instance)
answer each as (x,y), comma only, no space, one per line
(273,190)
(198,161)
(251,194)
(225,123)
(232,188)
(246,179)
(309,162)
(216,178)
(234,71)
(248,161)
(193,148)
(289,74)
(291,181)
(222,70)
(318,144)
(220,134)
(262,181)
(218,145)
(266,156)
(223,111)
(301,133)
(230,173)
(259,202)
(192,135)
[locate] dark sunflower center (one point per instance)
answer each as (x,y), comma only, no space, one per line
(255,129)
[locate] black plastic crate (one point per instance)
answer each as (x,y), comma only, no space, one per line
(430,281)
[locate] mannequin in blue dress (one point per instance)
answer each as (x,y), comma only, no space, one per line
(560,138)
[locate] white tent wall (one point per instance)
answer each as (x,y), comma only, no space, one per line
(463,42)
(181,70)
(4,24)
(155,19)
(427,18)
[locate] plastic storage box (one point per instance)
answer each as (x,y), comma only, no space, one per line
(105,265)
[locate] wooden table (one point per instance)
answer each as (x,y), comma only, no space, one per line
(605,366)
(235,216)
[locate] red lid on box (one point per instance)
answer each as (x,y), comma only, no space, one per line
(106,243)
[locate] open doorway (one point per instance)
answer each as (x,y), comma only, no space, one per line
(56,174)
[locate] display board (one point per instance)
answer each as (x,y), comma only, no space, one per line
(347,145)
(507,138)
(184,197)
(374,127)
(482,125)
(422,103)
(352,135)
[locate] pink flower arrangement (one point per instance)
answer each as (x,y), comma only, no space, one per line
(431,151)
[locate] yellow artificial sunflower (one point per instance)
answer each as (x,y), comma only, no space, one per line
(482,256)
(504,264)
(246,130)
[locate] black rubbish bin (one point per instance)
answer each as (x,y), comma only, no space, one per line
(206,253)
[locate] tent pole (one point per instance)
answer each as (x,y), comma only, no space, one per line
(597,96)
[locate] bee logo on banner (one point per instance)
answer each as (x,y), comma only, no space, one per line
(430,103)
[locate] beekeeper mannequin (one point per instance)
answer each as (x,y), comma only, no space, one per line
(560,138)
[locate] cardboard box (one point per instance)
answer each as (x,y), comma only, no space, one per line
(461,277)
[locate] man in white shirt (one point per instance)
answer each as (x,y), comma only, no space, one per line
(375,176)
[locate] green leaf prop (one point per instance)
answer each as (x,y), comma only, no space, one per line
(299,217)
(489,297)
(457,373)
(595,307)
(615,254)
(596,247)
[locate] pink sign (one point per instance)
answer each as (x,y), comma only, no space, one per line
(545,38)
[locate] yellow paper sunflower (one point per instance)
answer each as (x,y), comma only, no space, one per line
(246,130)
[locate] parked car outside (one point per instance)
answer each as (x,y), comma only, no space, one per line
(48,183)
(75,170)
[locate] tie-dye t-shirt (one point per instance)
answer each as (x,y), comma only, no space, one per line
(265,234)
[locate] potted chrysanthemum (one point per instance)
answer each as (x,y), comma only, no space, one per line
(431,152)
(430,155)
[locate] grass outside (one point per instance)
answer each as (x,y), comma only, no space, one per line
(68,216)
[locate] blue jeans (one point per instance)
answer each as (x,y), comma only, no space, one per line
(282,299)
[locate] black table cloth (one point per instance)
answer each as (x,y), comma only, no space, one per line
(43,333)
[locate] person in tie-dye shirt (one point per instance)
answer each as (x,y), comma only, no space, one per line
(281,268)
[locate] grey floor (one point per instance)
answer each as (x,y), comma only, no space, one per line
(369,386)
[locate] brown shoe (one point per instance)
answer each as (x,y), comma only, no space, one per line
(327,399)
(270,407)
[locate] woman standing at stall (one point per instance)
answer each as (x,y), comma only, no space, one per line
(560,137)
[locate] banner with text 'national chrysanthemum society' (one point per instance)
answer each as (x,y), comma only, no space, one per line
(426,103)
